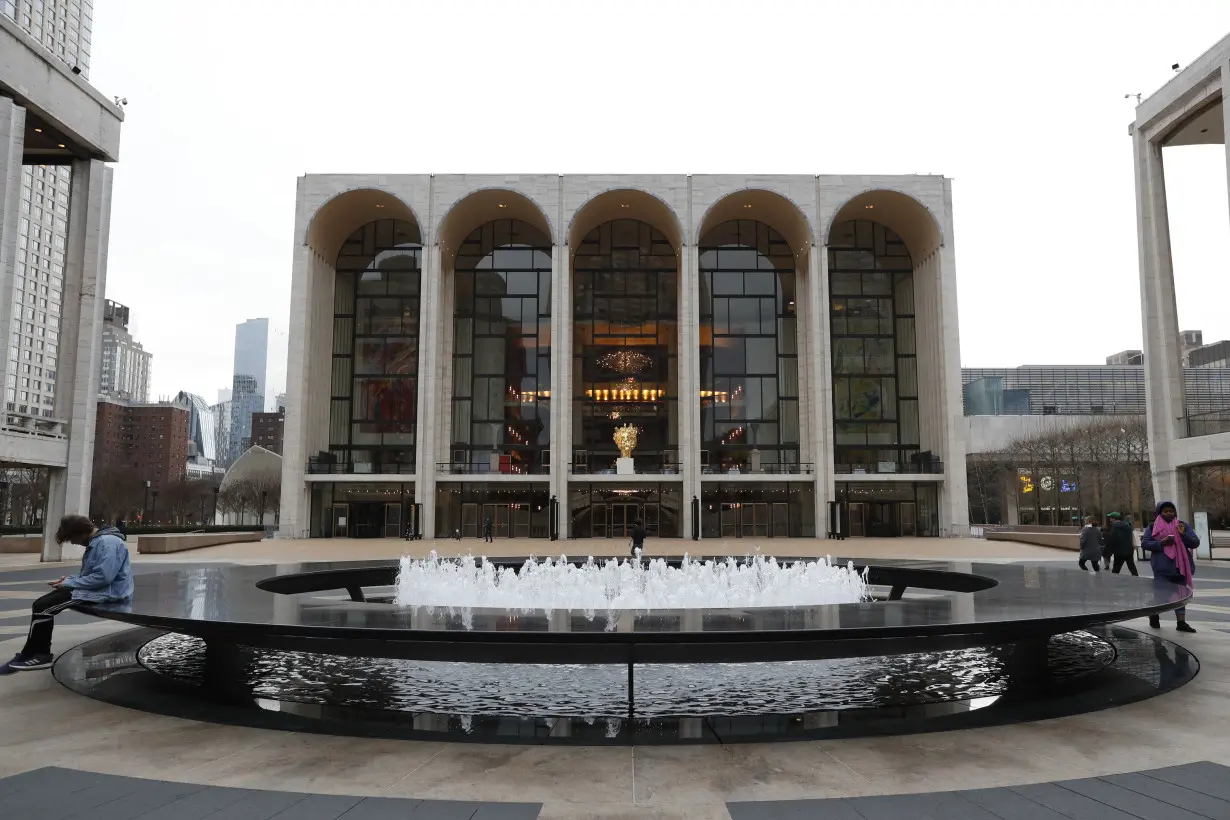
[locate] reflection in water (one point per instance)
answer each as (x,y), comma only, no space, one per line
(529,690)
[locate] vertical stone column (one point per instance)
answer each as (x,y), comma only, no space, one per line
(12,145)
(689,382)
(80,351)
(955,501)
(561,376)
(295,504)
(819,400)
(1163,363)
(431,374)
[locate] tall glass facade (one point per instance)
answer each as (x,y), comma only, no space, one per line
(875,366)
(749,369)
(515,510)
(609,510)
(625,365)
(374,408)
(502,350)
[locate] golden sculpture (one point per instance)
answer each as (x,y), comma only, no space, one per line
(625,439)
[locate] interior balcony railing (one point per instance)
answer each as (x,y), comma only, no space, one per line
(802,468)
(646,462)
(485,468)
(923,465)
(321,465)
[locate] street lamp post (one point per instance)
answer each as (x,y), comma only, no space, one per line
(202,518)
(264,497)
(153,507)
(215,519)
(145,506)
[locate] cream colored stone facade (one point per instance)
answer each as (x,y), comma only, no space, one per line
(802,208)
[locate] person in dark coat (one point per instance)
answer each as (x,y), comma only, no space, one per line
(1121,544)
(1091,545)
(638,536)
(1169,543)
(488,531)
(121,526)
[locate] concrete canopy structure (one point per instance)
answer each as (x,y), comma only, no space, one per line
(463,347)
(50,116)
(1191,109)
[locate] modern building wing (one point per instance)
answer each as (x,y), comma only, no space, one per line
(1191,109)
(466,348)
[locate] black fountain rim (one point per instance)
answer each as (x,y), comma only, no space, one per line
(1010,603)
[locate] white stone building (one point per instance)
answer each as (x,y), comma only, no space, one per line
(57,133)
(1191,109)
(462,349)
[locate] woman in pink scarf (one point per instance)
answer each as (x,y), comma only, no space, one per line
(1170,542)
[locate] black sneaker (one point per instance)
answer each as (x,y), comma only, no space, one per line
(1155,622)
(33,662)
(1184,626)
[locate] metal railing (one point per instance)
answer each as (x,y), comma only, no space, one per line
(465,468)
(931,466)
(40,426)
(1207,423)
(318,467)
(641,469)
(805,468)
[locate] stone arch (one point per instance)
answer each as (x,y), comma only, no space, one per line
(626,203)
(759,205)
(901,213)
(486,205)
(346,212)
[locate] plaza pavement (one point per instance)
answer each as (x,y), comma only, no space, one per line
(43,724)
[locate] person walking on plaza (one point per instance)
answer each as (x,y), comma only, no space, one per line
(1121,545)
(105,577)
(1091,545)
(1169,543)
(488,531)
(638,537)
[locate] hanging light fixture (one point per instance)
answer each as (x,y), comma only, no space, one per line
(625,361)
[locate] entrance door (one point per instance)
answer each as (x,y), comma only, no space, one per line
(730,520)
(652,516)
(339,518)
(521,521)
(909,519)
(598,524)
(754,520)
(392,521)
(469,520)
(781,520)
(882,519)
(622,518)
(501,519)
(858,519)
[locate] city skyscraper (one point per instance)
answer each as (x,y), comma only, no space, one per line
(249,382)
(63,27)
(125,363)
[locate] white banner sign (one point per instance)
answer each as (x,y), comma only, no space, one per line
(1200,520)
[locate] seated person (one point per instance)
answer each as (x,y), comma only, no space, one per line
(105,577)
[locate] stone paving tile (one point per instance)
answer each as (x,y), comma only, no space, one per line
(1196,791)
(59,794)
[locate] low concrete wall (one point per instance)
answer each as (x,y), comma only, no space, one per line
(21,544)
(1060,541)
(179,542)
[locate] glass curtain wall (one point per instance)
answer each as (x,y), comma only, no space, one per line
(749,369)
(625,366)
(502,350)
(515,510)
(875,367)
(374,408)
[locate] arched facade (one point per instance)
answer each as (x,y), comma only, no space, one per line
(700,311)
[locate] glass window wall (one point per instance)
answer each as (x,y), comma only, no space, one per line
(602,510)
(374,408)
(625,365)
(875,365)
(502,350)
(749,367)
(515,510)
(759,510)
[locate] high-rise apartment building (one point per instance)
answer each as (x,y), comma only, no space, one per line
(125,363)
(249,382)
(267,431)
(63,28)
(147,440)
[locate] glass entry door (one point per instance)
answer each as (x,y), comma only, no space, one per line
(754,520)
(340,517)
(781,519)
(909,519)
(392,521)
(858,520)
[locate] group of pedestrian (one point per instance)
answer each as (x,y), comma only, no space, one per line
(1168,541)
(1109,546)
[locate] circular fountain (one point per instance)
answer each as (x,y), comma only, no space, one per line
(629,651)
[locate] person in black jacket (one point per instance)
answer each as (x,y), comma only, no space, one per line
(1091,545)
(638,536)
(1121,544)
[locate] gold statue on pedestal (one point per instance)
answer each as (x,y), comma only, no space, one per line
(625,439)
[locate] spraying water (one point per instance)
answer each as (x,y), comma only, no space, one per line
(628,584)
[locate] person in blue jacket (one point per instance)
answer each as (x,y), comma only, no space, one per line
(105,577)
(1169,543)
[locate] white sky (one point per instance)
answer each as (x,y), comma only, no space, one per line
(1021,104)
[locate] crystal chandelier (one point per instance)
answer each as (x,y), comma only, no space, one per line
(625,361)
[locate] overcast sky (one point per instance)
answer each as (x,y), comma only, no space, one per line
(1021,104)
